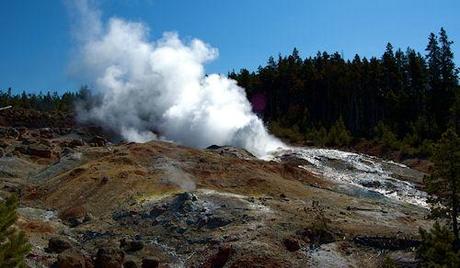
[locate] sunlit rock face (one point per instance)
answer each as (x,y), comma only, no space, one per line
(360,173)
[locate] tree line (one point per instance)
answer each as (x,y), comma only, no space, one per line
(403,99)
(402,95)
(50,101)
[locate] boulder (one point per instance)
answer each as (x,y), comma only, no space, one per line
(317,236)
(150,262)
(74,216)
(35,149)
(131,245)
(291,244)
(98,141)
(72,258)
(57,245)
(220,258)
(129,264)
(75,143)
(109,258)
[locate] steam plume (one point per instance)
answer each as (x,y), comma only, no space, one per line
(161,86)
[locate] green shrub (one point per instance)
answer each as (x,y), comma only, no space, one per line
(384,134)
(338,134)
(13,243)
(292,134)
(426,148)
(318,136)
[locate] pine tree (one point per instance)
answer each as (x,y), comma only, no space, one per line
(436,249)
(445,97)
(13,243)
(444,183)
(448,71)
(390,69)
(434,60)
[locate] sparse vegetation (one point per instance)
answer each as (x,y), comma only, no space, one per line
(319,231)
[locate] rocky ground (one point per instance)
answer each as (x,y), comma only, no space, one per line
(86,202)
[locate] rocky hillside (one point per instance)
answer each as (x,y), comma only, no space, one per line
(86,202)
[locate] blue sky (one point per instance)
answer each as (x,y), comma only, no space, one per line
(36,42)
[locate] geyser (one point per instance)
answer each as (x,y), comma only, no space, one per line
(161,86)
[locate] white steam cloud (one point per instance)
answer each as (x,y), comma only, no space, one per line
(161,87)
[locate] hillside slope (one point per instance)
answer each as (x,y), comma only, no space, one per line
(85,200)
